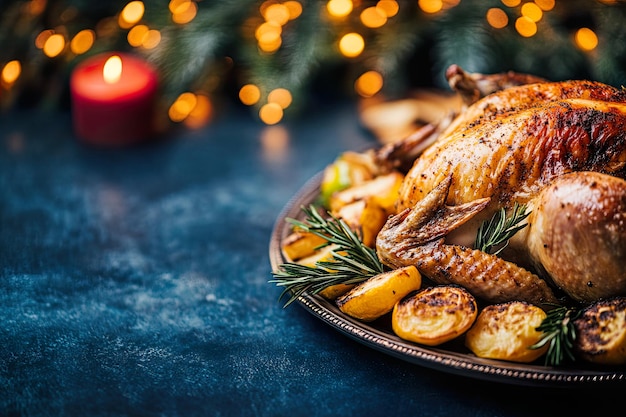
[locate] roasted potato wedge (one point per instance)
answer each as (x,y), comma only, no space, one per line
(366,217)
(506,331)
(384,189)
(375,297)
(601,332)
(434,315)
(301,244)
(324,254)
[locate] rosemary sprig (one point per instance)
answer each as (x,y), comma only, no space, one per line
(559,331)
(352,261)
(499,229)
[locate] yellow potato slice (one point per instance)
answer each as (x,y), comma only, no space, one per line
(435,315)
(383,188)
(324,254)
(332,292)
(506,331)
(601,332)
(366,217)
(375,297)
(301,244)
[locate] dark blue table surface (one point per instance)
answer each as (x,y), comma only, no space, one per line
(135,282)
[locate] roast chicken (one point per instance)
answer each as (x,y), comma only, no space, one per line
(559,148)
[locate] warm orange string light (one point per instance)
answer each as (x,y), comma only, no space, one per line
(497,18)
(586,39)
(369,83)
(11,72)
(271,113)
(82,41)
(131,13)
(372,17)
(339,8)
(249,94)
(389,7)
(280,96)
(430,6)
(351,45)
(525,26)
(54,45)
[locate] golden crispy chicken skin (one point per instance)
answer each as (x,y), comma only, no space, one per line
(511,147)
(511,158)
(577,234)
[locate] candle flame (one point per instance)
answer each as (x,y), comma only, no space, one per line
(112,70)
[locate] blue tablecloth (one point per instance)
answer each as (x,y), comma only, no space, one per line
(135,282)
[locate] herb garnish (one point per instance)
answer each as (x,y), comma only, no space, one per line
(352,261)
(499,229)
(558,330)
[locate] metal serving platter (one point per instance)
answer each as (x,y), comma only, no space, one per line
(452,357)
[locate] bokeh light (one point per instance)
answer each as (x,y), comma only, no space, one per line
(525,26)
(249,94)
(131,14)
(430,6)
(54,45)
(339,8)
(201,113)
(389,7)
(372,17)
(351,45)
(152,39)
(137,35)
(294,8)
(11,72)
(497,18)
(277,13)
(280,96)
(182,106)
(184,11)
(532,11)
(42,37)
(271,113)
(82,41)
(586,39)
(545,5)
(369,83)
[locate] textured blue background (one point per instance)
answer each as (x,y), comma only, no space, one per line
(134,282)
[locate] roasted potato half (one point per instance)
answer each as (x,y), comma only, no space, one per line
(506,331)
(434,315)
(366,217)
(325,254)
(375,297)
(601,332)
(383,188)
(301,244)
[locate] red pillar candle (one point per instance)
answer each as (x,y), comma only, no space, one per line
(113,104)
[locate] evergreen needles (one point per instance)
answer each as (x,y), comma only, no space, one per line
(352,261)
(559,331)
(496,232)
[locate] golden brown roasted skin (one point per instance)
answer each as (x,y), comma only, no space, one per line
(577,234)
(511,158)
(415,237)
(507,148)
